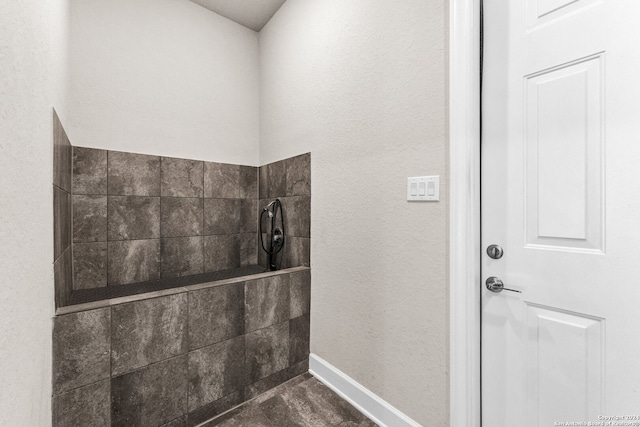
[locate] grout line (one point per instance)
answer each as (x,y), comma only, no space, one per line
(71,229)
(160,225)
(141,368)
(61,189)
(202,233)
(107,266)
(134,240)
(188,351)
(53,395)
(110,352)
(174,197)
(94,194)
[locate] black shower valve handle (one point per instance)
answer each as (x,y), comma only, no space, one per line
(276,235)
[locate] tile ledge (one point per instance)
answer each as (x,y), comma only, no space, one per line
(206,285)
(166,292)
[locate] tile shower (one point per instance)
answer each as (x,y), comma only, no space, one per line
(198,346)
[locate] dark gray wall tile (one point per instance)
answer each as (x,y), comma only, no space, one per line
(300,298)
(61,221)
(279,388)
(243,416)
(221,252)
(298,171)
(248,249)
(215,314)
(299,339)
(221,180)
(297,252)
(266,302)
(261,386)
(267,351)
(181,217)
(182,178)
(132,261)
(147,331)
(215,408)
(297,214)
(151,396)
(277,179)
(222,216)
(89,219)
(264,218)
(216,371)
(299,368)
(89,265)
(248,182)
(263,182)
(181,256)
(89,171)
(132,174)
(178,422)
(80,349)
(132,217)
(84,406)
(61,156)
(262,255)
(248,216)
(63,278)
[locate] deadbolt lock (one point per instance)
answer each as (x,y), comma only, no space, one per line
(495,251)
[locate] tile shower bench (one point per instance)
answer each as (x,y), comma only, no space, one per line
(179,356)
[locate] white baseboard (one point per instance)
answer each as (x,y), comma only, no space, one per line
(372,406)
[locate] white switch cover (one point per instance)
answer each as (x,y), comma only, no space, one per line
(428,188)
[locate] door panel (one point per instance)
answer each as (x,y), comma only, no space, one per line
(565,351)
(561,195)
(563,158)
(540,12)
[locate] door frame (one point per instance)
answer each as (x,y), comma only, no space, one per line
(464,213)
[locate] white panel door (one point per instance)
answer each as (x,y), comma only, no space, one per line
(561,196)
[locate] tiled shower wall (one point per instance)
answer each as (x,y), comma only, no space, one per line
(180,359)
(139,217)
(61,213)
(290,181)
(181,356)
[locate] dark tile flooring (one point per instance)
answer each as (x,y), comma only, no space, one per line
(301,402)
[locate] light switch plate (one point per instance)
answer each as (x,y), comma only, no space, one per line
(423,188)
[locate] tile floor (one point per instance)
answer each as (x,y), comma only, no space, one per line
(301,402)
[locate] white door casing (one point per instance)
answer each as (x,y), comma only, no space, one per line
(464,206)
(561,195)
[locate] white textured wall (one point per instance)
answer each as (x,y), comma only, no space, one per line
(362,85)
(163,77)
(32,63)
(59,27)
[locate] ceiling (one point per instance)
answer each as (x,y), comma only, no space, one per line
(252,14)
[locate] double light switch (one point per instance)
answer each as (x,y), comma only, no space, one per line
(423,188)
